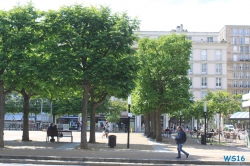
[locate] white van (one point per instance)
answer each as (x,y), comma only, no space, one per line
(230,127)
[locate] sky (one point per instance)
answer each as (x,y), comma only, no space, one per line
(163,15)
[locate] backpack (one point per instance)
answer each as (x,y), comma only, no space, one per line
(184,137)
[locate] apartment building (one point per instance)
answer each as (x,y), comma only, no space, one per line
(238,64)
(208,61)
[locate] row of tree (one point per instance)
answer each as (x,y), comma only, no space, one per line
(74,52)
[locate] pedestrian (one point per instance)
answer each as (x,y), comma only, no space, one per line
(106,129)
(52,127)
(180,140)
(78,125)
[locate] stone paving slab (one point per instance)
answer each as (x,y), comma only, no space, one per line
(141,148)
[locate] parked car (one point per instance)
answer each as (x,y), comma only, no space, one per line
(230,127)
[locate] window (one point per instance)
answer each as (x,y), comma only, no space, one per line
(234,32)
(218,68)
(203,94)
(246,32)
(190,71)
(235,75)
(234,40)
(247,84)
(241,49)
(218,55)
(218,82)
(241,75)
(189,38)
(204,68)
(242,91)
(210,39)
(241,84)
(235,92)
(241,57)
(247,49)
(246,40)
(203,55)
(204,81)
(241,40)
(241,66)
(247,66)
(247,75)
(191,56)
(235,66)
(247,57)
(235,48)
(190,81)
(235,57)
(235,83)
(240,32)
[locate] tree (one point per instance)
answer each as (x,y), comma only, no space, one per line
(163,78)
(86,45)
(19,37)
(223,103)
(115,109)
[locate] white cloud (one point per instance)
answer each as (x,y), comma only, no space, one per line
(164,15)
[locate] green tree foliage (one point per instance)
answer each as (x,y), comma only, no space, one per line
(115,109)
(223,103)
(19,37)
(163,82)
(89,47)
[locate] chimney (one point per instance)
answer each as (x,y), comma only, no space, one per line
(181,29)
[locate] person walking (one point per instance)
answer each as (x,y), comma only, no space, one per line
(180,140)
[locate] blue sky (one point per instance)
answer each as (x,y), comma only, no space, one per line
(164,15)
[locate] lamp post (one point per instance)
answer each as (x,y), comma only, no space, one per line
(180,117)
(129,104)
(205,114)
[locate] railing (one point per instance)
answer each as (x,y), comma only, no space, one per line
(210,42)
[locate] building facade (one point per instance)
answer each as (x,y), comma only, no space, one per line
(208,61)
(238,64)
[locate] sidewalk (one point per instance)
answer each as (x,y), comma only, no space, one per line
(141,150)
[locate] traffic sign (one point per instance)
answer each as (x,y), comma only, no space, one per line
(246,96)
(130,114)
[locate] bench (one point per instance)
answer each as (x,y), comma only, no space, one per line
(59,134)
(65,133)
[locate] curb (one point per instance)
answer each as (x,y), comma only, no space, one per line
(94,160)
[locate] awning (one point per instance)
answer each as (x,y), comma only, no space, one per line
(240,116)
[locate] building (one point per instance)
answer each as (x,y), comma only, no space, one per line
(208,61)
(238,66)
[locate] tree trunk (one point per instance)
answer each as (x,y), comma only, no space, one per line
(25,116)
(158,128)
(147,124)
(83,144)
(94,105)
(219,126)
(92,125)
(197,129)
(2,103)
(153,124)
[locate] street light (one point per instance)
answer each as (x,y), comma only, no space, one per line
(129,104)
(180,117)
(205,114)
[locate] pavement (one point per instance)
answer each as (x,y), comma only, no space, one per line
(141,151)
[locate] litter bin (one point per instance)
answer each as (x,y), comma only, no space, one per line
(203,139)
(112,141)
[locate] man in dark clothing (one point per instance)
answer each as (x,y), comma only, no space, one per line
(52,127)
(180,141)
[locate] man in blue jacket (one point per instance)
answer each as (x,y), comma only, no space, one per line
(180,140)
